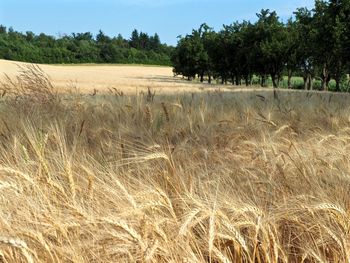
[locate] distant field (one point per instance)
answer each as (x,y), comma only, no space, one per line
(127,78)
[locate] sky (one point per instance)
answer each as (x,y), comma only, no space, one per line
(168,18)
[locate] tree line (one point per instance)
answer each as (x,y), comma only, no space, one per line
(83,48)
(313,44)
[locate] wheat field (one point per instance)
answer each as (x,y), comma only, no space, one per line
(211,176)
(127,78)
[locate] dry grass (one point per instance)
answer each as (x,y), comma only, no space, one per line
(210,177)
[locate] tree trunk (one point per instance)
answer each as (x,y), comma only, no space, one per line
(325,77)
(311,82)
(290,72)
(246,80)
(209,78)
(306,81)
(263,81)
(202,77)
(224,80)
(274,81)
(327,82)
(338,75)
(237,80)
(337,85)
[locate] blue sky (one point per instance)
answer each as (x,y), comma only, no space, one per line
(169,18)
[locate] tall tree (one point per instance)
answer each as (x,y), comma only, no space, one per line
(274,49)
(339,12)
(3,29)
(101,37)
(183,58)
(135,39)
(199,43)
(323,25)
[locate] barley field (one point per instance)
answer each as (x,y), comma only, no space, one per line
(151,176)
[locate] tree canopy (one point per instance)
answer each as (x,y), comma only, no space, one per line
(313,44)
(83,48)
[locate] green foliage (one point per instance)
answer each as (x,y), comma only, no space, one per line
(83,48)
(314,45)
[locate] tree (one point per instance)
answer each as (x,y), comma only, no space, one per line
(154,42)
(30,36)
(305,47)
(339,12)
(294,54)
(248,53)
(274,49)
(3,29)
(78,48)
(323,24)
(217,50)
(183,59)
(232,43)
(101,38)
(120,42)
(143,41)
(191,57)
(200,43)
(87,36)
(135,39)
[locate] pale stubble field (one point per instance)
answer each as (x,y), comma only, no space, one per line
(127,78)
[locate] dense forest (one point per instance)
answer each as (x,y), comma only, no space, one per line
(83,48)
(314,44)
